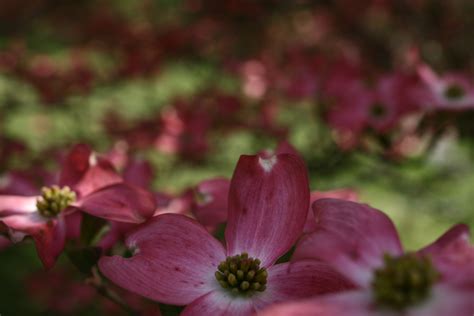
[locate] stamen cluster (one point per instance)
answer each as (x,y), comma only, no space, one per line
(403,281)
(242,274)
(54,200)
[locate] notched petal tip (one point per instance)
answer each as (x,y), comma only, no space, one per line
(267,163)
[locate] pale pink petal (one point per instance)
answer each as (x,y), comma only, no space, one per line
(445,301)
(268,205)
(219,303)
(351,236)
(174,261)
(342,194)
(14,204)
(302,279)
(211,199)
(119,202)
(352,303)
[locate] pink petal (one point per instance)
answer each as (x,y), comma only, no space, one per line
(75,165)
(351,236)
(352,303)
(50,242)
(268,205)
(116,233)
(302,279)
(174,263)
(342,194)
(219,303)
(456,233)
(99,175)
(49,234)
(119,202)
(453,257)
(210,206)
(14,204)
(139,173)
(445,300)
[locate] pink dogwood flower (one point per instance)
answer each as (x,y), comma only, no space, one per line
(448,92)
(86,183)
(362,244)
(176,261)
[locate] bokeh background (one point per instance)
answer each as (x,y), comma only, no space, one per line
(189,85)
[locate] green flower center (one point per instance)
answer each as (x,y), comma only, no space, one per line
(54,200)
(378,110)
(454,92)
(403,281)
(242,274)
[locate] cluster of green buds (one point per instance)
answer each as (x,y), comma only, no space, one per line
(403,281)
(54,200)
(454,92)
(242,274)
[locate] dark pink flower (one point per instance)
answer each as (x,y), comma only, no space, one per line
(86,183)
(449,92)
(362,244)
(176,261)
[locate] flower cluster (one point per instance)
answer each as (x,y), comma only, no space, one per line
(345,258)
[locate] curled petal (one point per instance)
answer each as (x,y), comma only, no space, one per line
(119,202)
(268,205)
(174,261)
(351,236)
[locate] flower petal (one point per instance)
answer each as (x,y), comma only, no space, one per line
(352,303)
(119,202)
(459,232)
(49,234)
(50,241)
(342,194)
(302,279)
(453,257)
(219,303)
(15,204)
(210,206)
(174,263)
(445,300)
(351,236)
(268,205)
(75,165)
(139,173)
